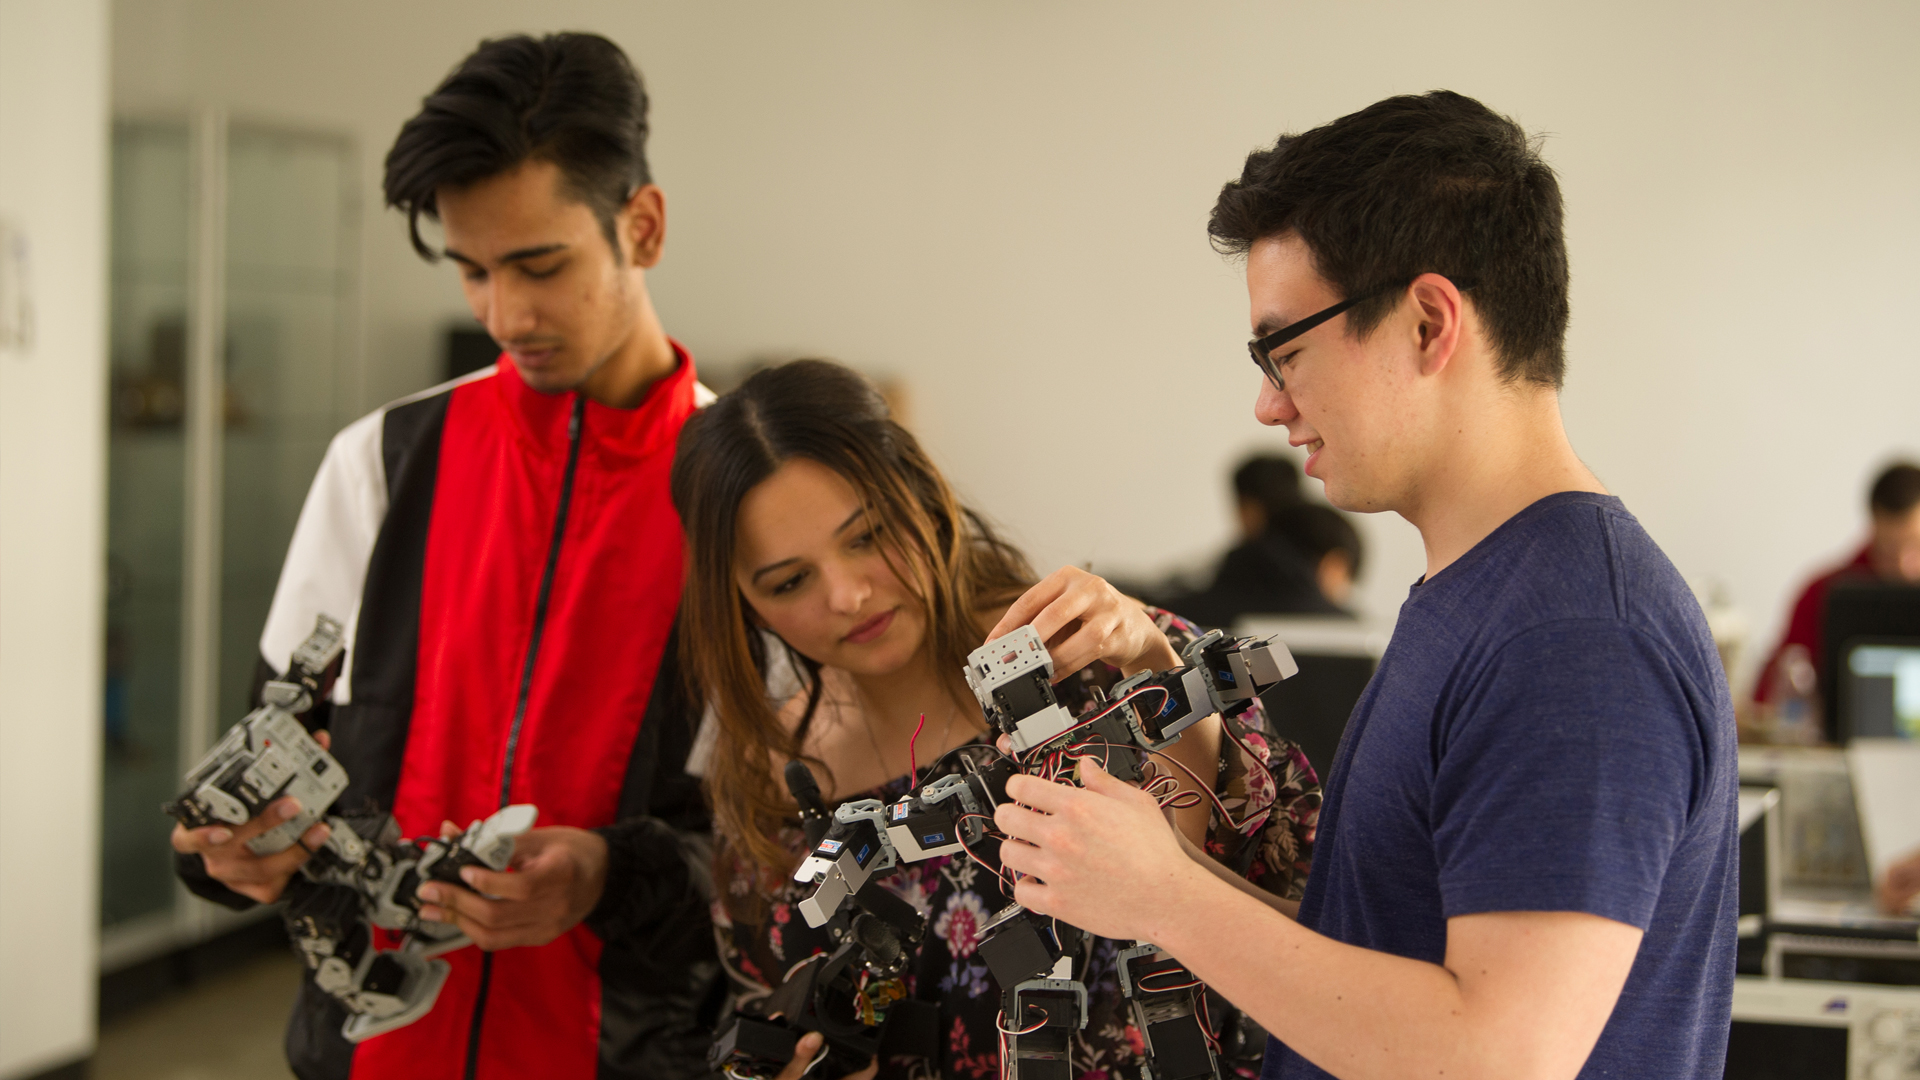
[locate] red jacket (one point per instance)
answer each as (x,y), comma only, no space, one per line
(510,565)
(1807,625)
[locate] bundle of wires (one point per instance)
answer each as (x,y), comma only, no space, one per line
(1059,763)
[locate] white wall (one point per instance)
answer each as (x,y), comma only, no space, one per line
(53,144)
(1004,203)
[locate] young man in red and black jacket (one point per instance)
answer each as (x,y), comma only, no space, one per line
(508,563)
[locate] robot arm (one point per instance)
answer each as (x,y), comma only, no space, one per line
(375,883)
(1011,677)
(868,839)
(269,755)
(854,996)
(381,989)
(363,879)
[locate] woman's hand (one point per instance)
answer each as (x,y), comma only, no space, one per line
(807,1049)
(1083,619)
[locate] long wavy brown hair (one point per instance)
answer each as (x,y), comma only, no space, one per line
(948,558)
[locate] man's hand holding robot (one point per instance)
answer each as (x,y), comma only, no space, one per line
(554,880)
(1035,948)
(253,805)
(260,878)
(1061,833)
(369,877)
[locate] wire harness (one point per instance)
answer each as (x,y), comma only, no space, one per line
(1037,961)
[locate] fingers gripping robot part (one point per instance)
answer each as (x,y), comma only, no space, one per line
(1034,958)
(376,884)
(1012,678)
(365,877)
(269,755)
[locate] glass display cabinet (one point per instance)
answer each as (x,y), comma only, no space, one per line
(234,356)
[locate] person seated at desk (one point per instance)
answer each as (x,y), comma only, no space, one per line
(1329,543)
(1293,558)
(1263,485)
(1891,553)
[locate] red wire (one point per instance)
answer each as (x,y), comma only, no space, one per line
(913,763)
(1001,1022)
(1206,1021)
(1054,770)
(1141,982)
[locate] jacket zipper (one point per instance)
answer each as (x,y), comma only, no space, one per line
(574,426)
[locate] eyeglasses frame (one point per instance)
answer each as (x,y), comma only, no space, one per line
(1262,348)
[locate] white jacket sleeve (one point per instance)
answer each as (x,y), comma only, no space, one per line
(326,566)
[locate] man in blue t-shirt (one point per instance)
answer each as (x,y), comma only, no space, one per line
(1526,861)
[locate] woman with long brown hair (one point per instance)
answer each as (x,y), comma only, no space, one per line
(834,590)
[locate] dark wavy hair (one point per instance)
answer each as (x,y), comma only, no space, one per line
(572,99)
(949,558)
(1437,183)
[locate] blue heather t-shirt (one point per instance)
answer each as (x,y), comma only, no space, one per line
(1549,730)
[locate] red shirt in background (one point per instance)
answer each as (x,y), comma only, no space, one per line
(1807,626)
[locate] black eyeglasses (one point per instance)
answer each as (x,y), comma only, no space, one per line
(1263,348)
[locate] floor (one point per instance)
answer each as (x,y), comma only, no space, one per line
(226,1027)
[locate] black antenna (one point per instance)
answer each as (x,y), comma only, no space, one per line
(806,792)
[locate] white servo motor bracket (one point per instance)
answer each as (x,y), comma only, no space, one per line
(270,755)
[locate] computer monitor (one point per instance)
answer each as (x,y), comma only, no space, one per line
(1879,688)
(468,348)
(1880,622)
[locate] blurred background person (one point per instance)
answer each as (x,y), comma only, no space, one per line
(1293,557)
(1328,542)
(1263,485)
(1891,553)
